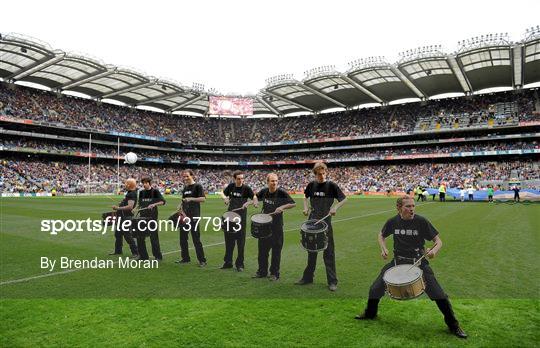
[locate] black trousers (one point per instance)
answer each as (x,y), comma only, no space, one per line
(196,236)
(442,196)
(273,243)
(154,241)
(126,234)
(232,240)
(433,289)
(329,258)
(516,196)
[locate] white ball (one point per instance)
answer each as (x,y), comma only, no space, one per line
(130,158)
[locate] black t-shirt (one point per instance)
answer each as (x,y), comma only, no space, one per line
(192,208)
(147,197)
(409,235)
(130,196)
(238,196)
(273,200)
(321,197)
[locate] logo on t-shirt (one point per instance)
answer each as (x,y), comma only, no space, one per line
(187,193)
(267,201)
(319,194)
(236,194)
(406,232)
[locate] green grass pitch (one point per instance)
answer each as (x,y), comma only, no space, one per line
(488,265)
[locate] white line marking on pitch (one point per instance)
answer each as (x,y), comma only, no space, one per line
(21,280)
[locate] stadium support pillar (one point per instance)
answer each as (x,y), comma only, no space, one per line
(277,96)
(270,107)
(187,102)
(517,63)
(408,82)
(322,95)
(361,88)
(460,74)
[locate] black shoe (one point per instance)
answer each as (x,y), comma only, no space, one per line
(458,331)
(364,316)
(115,253)
(226,266)
(258,275)
(303,282)
(182,261)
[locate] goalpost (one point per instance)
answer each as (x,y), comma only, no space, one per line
(102,187)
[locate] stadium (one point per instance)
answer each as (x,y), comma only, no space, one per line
(455,133)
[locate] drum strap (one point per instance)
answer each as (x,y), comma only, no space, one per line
(262,205)
(401,258)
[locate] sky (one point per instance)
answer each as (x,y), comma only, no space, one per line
(234,46)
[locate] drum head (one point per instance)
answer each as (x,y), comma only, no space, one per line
(310,226)
(232,216)
(401,274)
(262,218)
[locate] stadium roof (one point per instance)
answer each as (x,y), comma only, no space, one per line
(479,63)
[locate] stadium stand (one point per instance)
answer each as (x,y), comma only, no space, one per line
(49,138)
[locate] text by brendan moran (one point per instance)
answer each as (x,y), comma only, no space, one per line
(95,263)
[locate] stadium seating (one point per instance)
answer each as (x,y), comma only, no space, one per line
(510,108)
(59,165)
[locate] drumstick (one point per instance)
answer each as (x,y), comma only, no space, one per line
(109,197)
(238,209)
(138,210)
(319,221)
(420,259)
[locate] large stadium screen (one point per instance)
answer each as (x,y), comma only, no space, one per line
(231,106)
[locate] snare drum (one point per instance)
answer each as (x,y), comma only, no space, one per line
(261,225)
(111,221)
(231,222)
(139,226)
(178,219)
(314,236)
(404,282)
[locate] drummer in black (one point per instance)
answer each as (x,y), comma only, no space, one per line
(124,211)
(192,197)
(237,196)
(149,199)
(409,232)
(321,194)
(275,200)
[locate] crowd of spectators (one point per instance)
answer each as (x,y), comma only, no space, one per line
(31,174)
(22,102)
(103,150)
